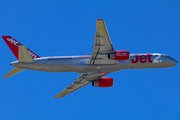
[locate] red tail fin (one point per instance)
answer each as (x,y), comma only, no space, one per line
(14,44)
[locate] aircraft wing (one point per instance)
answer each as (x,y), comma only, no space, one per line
(102,45)
(81,81)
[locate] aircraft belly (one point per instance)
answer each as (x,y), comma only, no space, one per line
(60,68)
(139,65)
(97,68)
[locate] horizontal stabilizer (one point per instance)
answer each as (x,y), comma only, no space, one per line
(24,55)
(13,72)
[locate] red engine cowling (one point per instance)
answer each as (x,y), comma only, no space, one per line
(103,82)
(119,55)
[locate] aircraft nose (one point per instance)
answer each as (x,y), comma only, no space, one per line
(174,62)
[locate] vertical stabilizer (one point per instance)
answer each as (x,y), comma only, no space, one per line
(14,44)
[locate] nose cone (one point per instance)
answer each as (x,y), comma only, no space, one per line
(173,62)
(169,61)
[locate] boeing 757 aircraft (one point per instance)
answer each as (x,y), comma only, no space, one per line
(103,60)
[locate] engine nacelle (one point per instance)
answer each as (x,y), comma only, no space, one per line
(103,82)
(119,55)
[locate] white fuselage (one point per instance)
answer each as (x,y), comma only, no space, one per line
(80,64)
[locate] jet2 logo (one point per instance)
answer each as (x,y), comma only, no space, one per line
(17,44)
(146,58)
(13,41)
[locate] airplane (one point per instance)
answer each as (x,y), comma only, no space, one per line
(103,60)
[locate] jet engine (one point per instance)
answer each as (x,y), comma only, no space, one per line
(119,55)
(103,82)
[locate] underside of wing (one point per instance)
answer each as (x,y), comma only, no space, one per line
(13,72)
(80,82)
(102,45)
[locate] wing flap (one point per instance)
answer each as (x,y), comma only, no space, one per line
(102,45)
(102,37)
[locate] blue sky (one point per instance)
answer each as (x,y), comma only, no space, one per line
(55,28)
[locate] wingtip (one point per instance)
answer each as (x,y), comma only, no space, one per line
(56,97)
(99,19)
(6,76)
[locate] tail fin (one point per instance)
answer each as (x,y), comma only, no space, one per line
(14,44)
(13,72)
(23,56)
